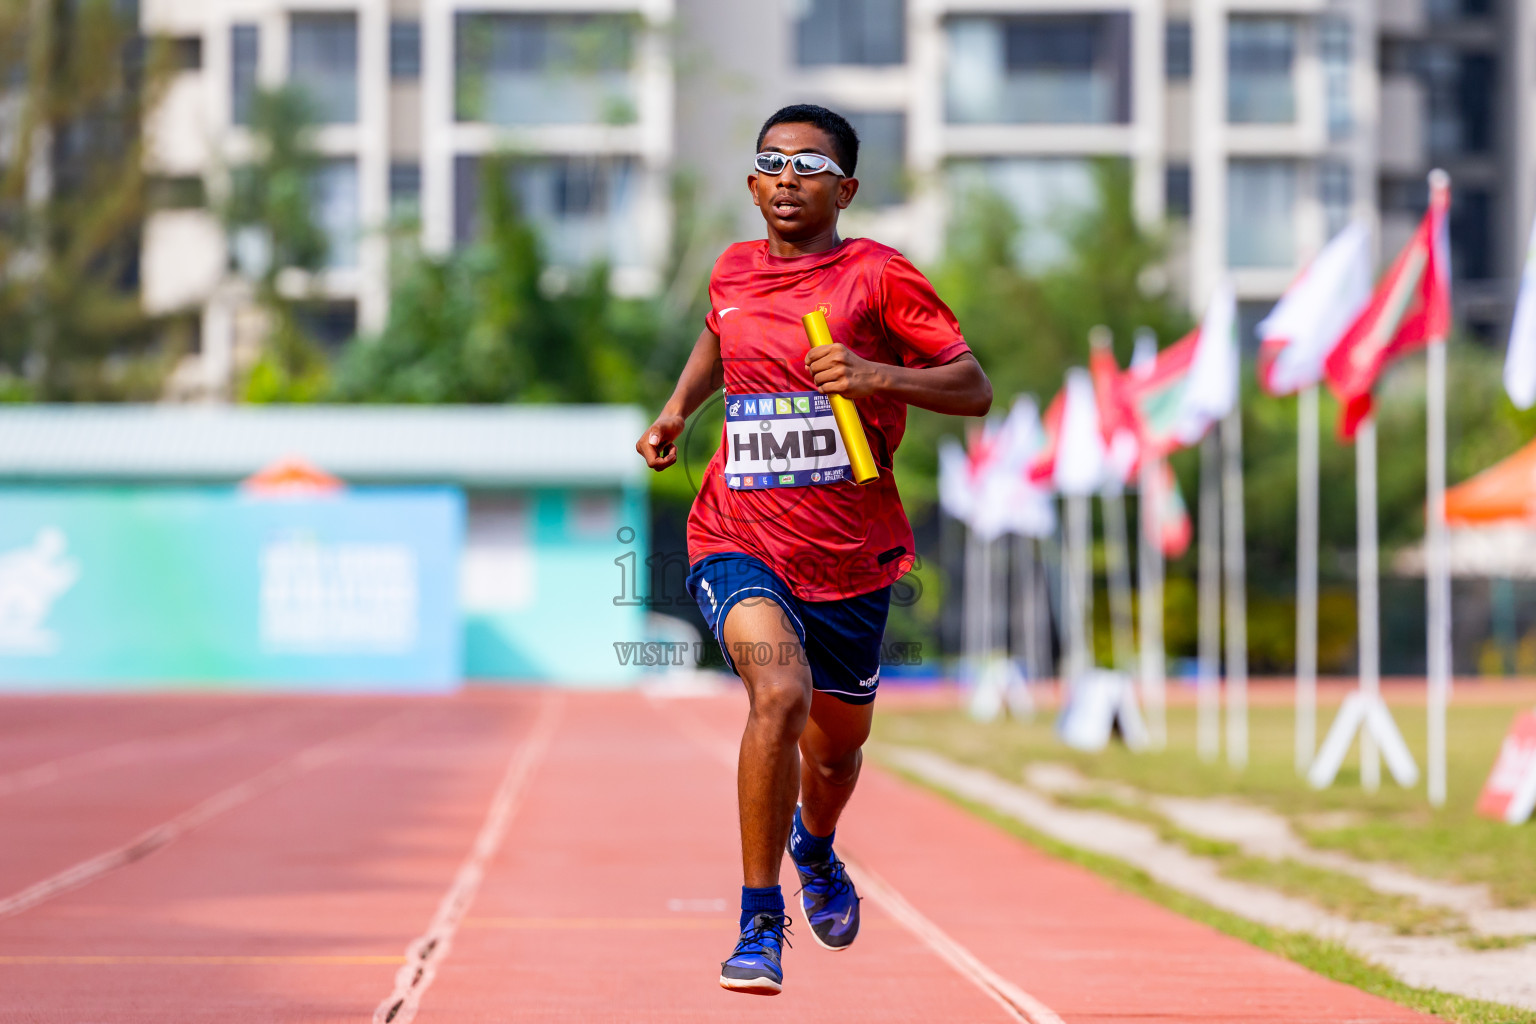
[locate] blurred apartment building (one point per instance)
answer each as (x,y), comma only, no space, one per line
(1255,128)
(411,95)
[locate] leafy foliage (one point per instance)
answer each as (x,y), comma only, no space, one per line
(75,82)
(269,216)
(487,323)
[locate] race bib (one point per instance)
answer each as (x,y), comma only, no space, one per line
(789,439)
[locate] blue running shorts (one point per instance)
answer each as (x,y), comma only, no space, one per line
(841,639)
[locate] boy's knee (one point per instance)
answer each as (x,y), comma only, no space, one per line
(781,698)
(839,769)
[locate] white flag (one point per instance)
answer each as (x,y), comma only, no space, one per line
(1006,501)
(1315,311)
(1210,390)
(1520,361)
(956,494)
(1080,453)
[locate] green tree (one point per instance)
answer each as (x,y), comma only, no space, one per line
(488,323)
(1029,327)
(76,83)
(269,216)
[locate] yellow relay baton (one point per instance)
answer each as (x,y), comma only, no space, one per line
(860,457)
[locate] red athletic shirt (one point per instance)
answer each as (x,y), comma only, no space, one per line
(826,541)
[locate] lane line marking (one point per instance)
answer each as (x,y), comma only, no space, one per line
(1020,1004)
(130,751)
(1017,1003)
(425,953)
(321,960)
(166,832)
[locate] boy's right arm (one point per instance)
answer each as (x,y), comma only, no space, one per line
(703,374)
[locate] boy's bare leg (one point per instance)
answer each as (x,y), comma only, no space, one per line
(768,770)
(831,750)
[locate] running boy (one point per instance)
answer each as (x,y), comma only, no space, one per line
(792,562)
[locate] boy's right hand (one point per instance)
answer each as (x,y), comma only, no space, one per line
(656,443)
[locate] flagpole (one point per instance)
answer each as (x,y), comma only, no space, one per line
(1306,578)
(1149,562)
(1117,558)
(1080,610)
(974,613)
(1208,694)
(1439,578)
(1437,575)
(1029,607)
(984,603)
(1236,586)
(1369,615)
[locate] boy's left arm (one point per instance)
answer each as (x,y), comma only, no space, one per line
(956,388)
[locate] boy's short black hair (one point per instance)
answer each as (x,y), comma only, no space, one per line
(844,139)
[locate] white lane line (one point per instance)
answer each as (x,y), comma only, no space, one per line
(1017,1003)
(423,955)
(1020,1004)
(152,839)
(140,748)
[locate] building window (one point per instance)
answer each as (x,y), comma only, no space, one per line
(244,51)
(1475,92)
(584,208)
(1399,57)
(334,207)
(517,69)
(1178,49)
(1047,196)
(405,49)
(323,62)
(405,189)
(1261,53)
(1460,88)
(1452,10)
(882,168)
(1472,234)
(187,53)
(1404,197)
(1039,69)
(1336,192)
(1336,43)
(331,323)
(850,32)
(1177,193)
(1261,214)
(177,192)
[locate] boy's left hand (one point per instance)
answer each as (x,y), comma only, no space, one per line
(836,370)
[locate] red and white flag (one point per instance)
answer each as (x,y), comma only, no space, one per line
(1153,395)
(1210,389)
(1315,312)
(1174,529)
(1073,459)
(1411,306)
(1006,499)
(1115,419)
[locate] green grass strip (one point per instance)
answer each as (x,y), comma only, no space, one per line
(1329,959)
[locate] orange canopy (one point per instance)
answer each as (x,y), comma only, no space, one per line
(291,476)
(1503,492)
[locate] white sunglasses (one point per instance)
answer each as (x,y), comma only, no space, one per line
(773,164)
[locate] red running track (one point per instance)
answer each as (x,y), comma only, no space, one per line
(533,856)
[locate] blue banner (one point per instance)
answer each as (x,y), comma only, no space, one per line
(203,587)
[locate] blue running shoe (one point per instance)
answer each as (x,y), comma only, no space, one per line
(830,903)
(754,966)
